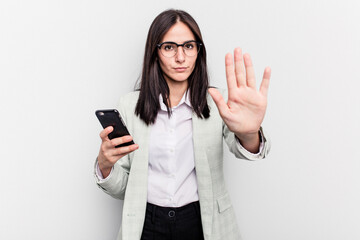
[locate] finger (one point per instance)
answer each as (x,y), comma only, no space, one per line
(104,133)
(125,150)
(266,81)
(250,73)
(239,67)
(120,140)
(114,154)
(230,74)
(219,101)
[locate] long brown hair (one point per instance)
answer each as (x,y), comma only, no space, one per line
(152,81)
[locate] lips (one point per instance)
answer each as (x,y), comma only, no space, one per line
(180,69)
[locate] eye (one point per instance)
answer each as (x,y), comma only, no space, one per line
(168,47)
(189,45)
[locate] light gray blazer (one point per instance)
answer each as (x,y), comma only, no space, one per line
(128,180)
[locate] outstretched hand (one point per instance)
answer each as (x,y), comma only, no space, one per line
(245,109)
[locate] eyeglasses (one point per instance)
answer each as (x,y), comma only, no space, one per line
(169,49)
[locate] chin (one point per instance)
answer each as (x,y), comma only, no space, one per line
(178,78)
(182,77)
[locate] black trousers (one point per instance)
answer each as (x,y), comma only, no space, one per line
(164,223)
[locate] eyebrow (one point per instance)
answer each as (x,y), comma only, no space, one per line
(178,43)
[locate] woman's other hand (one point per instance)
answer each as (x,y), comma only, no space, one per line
(245,109)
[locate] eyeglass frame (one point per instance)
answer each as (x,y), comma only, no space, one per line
(180,45)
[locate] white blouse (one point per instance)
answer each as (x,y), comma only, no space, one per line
(172,177)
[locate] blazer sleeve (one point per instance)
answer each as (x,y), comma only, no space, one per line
(239,151)
(115,184)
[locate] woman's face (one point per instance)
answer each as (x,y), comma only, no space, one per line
(177,69)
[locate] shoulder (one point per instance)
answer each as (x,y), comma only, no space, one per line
(129,99)
(130,96)
(222,91)
(127,104)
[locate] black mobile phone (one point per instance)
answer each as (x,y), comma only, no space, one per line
(111,117)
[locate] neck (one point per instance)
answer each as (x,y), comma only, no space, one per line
(177,90)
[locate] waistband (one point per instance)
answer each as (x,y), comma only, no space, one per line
(191,208)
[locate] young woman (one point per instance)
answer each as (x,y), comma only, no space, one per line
(172,180)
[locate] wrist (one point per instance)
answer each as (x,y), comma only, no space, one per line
(247,137)
(105,172)
(104,168)
(250,141)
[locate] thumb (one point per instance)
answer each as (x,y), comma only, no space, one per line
(219,101)
(105,132)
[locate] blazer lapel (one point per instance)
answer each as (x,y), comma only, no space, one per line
(203,173)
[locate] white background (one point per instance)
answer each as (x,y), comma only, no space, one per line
(61,60)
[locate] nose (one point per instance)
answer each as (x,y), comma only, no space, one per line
(180,55)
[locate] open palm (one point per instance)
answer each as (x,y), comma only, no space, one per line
(245,109)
